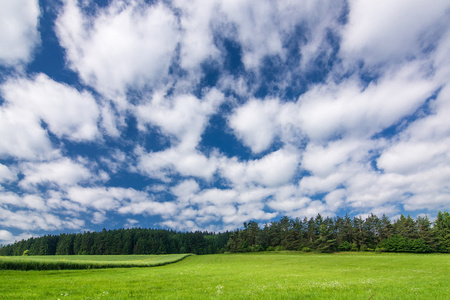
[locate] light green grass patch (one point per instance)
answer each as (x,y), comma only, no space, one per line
(247,276)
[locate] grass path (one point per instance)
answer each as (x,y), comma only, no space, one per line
(247,276)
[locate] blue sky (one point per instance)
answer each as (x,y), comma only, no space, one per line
(202,115)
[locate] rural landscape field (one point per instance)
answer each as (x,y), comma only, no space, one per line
(263,275)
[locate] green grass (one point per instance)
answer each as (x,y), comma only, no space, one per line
(247,276)
(63,262)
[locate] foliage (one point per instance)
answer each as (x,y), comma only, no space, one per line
(121,242)
(318,234)
(262,275)
(346,234)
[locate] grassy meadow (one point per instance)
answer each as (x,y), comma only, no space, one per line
(269,275)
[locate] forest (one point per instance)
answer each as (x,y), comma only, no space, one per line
(318,234)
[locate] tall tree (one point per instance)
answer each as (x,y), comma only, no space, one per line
(442,228)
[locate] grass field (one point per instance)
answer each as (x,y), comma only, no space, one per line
(64,262)
(247,276)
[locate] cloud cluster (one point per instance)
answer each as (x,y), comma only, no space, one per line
(199,115)
(19,34)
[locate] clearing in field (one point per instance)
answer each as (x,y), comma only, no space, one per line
(247,276)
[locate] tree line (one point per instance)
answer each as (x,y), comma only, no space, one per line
(318,234)
(121,241)
(346,234)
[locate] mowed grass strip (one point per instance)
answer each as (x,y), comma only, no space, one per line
(247,276)
(64,262)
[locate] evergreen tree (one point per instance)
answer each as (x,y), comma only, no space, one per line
(426,232)
(442,228)
(326,241)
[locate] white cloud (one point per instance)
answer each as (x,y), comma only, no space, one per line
(407,157)
(256,29)
(98,217)
(332,153)
(185,190)
(255,123)
(102,48)
(34,203)
(19,35)
(418,159)
(67,112)
(62,172)
(392,31)
(36,220)
(331,110)
(197,43)
(101,198)
(7,237)
(177,160)
(131,223)
(22,135)
(121,200)
(183,117)
(324,160)
(6,174)
(164,209)
(287,199)
(274,169)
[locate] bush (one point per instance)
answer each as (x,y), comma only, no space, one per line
(306,249)
(256,248)
(380,249)
(345,246)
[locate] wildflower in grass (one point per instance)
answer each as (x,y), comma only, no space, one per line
(219,289)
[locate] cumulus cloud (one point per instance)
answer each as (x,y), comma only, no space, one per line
(197,44)
(22,136)
(36,220)
(255,123)
(187,162)
(418,159)
(19,35)
(62,173)
(102,48)
(6,174)
(201,115)
(388,31)
(324,160)
(182,117)
(274,169)
(347,109)
(6,237)
(67,112)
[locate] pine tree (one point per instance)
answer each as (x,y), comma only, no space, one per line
(442,229)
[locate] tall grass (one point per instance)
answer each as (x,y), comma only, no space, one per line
(66,262)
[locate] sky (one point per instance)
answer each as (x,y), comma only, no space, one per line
(204,114)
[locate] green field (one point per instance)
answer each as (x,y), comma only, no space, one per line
(246,276)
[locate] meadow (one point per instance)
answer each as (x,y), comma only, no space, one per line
(268,275)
